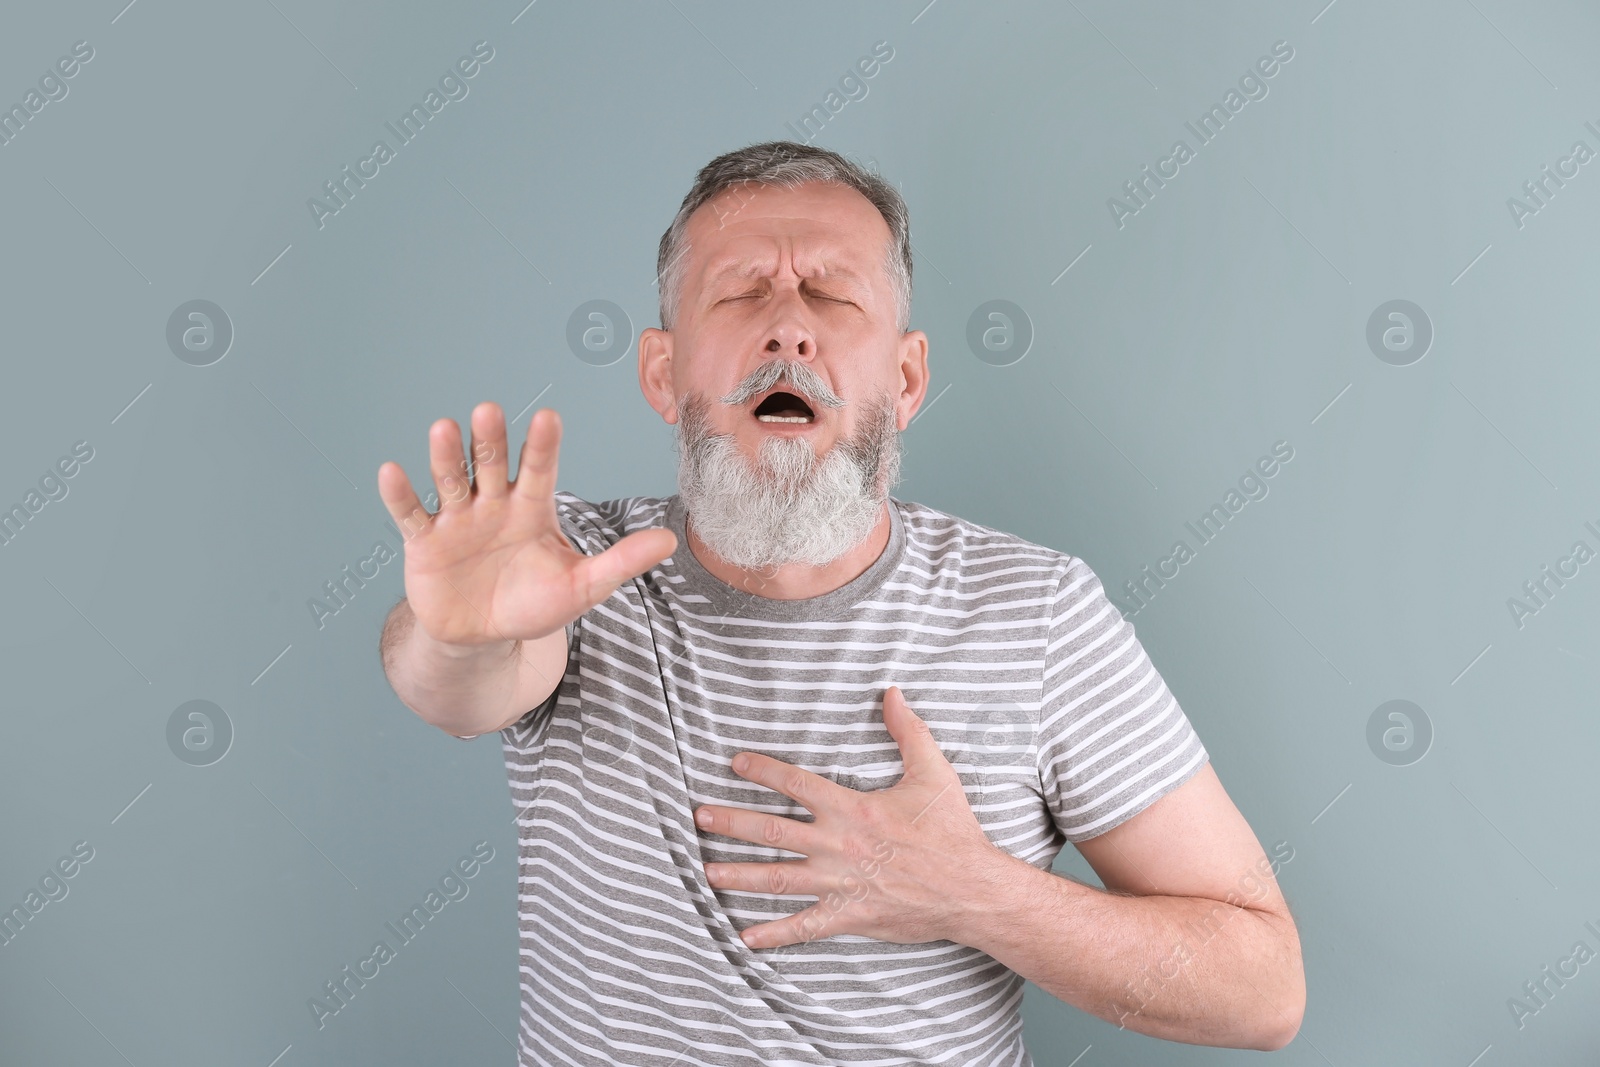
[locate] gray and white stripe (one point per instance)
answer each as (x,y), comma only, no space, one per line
(1033,683)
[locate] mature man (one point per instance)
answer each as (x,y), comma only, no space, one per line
(791,757)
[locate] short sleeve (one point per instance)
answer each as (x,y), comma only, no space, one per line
(581,540)
(1112,739)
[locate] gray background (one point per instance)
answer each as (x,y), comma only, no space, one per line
(1228,314)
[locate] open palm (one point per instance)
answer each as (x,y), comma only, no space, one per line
(493,563)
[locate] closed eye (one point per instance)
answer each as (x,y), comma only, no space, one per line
(833,299)
(822,296)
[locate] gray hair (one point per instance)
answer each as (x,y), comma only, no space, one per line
(787,164)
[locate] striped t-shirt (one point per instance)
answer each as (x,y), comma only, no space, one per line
(1032,682)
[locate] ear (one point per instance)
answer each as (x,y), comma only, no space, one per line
(655,372)
(913,375)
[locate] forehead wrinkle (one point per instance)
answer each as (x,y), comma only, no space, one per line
(752,266)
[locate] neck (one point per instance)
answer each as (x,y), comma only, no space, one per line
(795,581)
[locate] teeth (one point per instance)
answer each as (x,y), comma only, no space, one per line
(783,418)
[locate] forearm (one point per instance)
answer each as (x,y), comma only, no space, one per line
(464,689)
(1188,969)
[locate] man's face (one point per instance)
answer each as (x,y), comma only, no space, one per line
(786,274)
(786,374)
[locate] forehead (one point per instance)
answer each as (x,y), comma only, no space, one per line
(826,228)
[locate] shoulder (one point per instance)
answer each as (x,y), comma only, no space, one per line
(974,554)
(983,555)
(596,525)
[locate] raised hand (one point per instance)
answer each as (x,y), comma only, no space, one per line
(493,564)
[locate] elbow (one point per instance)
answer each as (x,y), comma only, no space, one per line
(1282,1028)
(1288,1008)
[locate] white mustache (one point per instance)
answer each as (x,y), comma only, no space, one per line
(807,384)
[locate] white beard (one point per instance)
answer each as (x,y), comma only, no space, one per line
(790,506)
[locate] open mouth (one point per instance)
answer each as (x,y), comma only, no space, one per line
(781,406)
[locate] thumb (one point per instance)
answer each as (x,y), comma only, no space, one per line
(599,576)
(918,750)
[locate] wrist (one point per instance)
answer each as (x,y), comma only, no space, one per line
(999,893)
(457,651)
(460,688)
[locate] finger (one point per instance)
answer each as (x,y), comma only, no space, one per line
(919,751)
(536,465)
(448,465)
(812,791)
(489,462)
(394,488)
(597,577)
(808,924)
(780,877)
(758,829)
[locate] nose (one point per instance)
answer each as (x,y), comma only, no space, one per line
(790,338)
